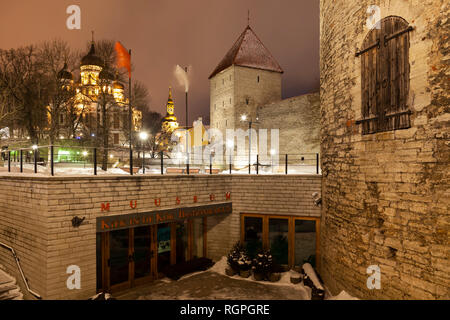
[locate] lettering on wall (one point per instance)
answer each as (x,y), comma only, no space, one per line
(133,203)
(118,222)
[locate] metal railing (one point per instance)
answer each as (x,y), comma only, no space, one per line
(25,280)
(60,160)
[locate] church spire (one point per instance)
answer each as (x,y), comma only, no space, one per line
(170,104)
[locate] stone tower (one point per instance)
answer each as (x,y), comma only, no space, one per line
(247,77)
(385,148)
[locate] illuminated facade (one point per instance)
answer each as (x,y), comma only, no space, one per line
(170,123)
(98,88)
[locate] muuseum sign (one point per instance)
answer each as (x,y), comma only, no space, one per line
(125,221)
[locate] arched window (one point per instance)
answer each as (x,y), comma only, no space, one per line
(385,77)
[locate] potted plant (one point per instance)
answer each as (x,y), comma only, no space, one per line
(262,265)
(233,258)
(245,265)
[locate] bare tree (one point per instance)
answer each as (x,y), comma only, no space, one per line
(57,61)
(22,79)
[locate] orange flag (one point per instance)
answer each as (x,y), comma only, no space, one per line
(123,58)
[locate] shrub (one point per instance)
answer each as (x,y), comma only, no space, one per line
(263,263)
(234,255)
(244,261)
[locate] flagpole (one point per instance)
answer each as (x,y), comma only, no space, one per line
(187,122)
(130,119)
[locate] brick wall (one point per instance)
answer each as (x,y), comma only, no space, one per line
(47,243)
(385,195)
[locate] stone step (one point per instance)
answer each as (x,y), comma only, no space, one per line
(11,295)
(8,287)
(9,290)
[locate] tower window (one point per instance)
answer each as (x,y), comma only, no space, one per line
(385,77)
(258,79)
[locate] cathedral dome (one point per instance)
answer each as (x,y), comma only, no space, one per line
(64,74)
(91,59)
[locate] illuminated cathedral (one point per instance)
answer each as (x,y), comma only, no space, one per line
(98,88)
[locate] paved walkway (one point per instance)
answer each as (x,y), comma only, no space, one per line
(212,286)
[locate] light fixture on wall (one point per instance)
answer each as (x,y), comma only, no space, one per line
(77,221)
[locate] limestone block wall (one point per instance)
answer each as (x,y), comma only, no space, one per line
(36,214)
(222,90)
(229,90)
(23,214)
(385,195)
(298,122)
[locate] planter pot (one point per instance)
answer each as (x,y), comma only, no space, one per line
(296,280)
(259,276)
(230,272)
(245,273)
(317,294)
(274,277)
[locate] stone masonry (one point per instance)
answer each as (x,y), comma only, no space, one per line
(298,122)
(386,195)
(36,214)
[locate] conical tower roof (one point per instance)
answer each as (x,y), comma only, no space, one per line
(248,51)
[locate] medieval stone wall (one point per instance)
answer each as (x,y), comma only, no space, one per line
(298,122)
(23,211)
(36,214)
(230,89)
(385,195)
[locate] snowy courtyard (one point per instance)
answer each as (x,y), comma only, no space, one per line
(214,284)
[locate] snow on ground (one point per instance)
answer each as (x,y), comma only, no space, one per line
(285,279)
(343,296)
(309,270)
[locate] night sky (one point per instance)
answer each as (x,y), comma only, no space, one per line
(163,33)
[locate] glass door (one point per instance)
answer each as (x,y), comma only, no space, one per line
(305,242)
(119,259)
(164,246)
(182,242)
(279,240)
(253,235)
(142,254)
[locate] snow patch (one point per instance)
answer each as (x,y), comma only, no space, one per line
(343,296)
(309,270)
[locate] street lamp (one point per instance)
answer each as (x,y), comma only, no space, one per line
(143,136)
(250,122)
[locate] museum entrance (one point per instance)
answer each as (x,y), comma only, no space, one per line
(134,256)
(127,258)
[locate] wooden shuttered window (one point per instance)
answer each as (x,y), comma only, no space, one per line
(385,77)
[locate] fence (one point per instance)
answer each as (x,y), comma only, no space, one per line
(60,160)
